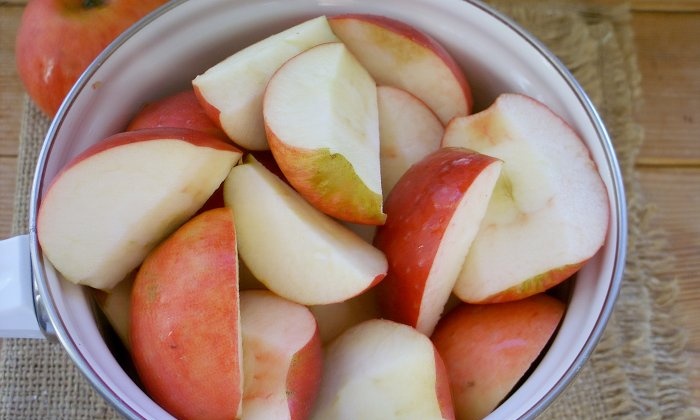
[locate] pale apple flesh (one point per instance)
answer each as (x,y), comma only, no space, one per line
(231,92)
(291,247)
(96,226)
(380,369)
(433,215)
(185,321)
(397,54)
(550,211)
(408,131)
(181,109)
(488,348)
(322,123)
(282,357)
(116,306)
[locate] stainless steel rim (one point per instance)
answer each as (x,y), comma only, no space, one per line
(619,205)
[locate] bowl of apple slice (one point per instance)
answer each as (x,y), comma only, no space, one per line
(327,209)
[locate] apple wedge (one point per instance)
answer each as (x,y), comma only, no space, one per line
(113,203)
(408,131)
(282,357)
(322,125)
(116,306)
(185,321)
(291,247)
(549,213)
(381,369)
(232,90)
(397,54)
(181,109)
(433,215)
(488,348)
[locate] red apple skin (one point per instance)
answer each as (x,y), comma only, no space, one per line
(421,38)
(488,348)
(442,388)
(213,112)
(181,109)
(304,379)
(58,39)
(410,239)
(185,326)
(535,285)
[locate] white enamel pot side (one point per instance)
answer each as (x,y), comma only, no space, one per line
(18,315)
(166,50)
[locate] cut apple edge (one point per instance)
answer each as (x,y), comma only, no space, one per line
(454,246)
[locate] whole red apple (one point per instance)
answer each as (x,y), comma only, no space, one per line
(58,39)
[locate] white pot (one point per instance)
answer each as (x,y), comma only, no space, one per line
(163,52)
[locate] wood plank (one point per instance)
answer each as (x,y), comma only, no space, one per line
(666,5)
(675,194)
(671,105)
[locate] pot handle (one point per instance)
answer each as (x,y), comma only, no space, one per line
(18,317)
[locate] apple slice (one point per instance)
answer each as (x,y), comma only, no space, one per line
(333,319)
(549,213)
(380,370)
(232,90)
(408,132)
(282,357)
(322,124)
(185,323)
(488,348)
(295,250)
(397,54)
(433,214)
(116,306)
(113,203)
(181,109)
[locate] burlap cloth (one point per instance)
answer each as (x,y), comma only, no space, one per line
(637,371)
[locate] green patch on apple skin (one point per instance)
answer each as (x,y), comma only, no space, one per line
(534,285)
(152,292)
(329,181)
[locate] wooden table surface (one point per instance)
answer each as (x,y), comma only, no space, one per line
(667,35)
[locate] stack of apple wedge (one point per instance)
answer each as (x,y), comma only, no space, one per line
(320,228)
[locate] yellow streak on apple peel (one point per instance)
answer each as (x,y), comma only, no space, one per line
(329,181)
(535,285)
